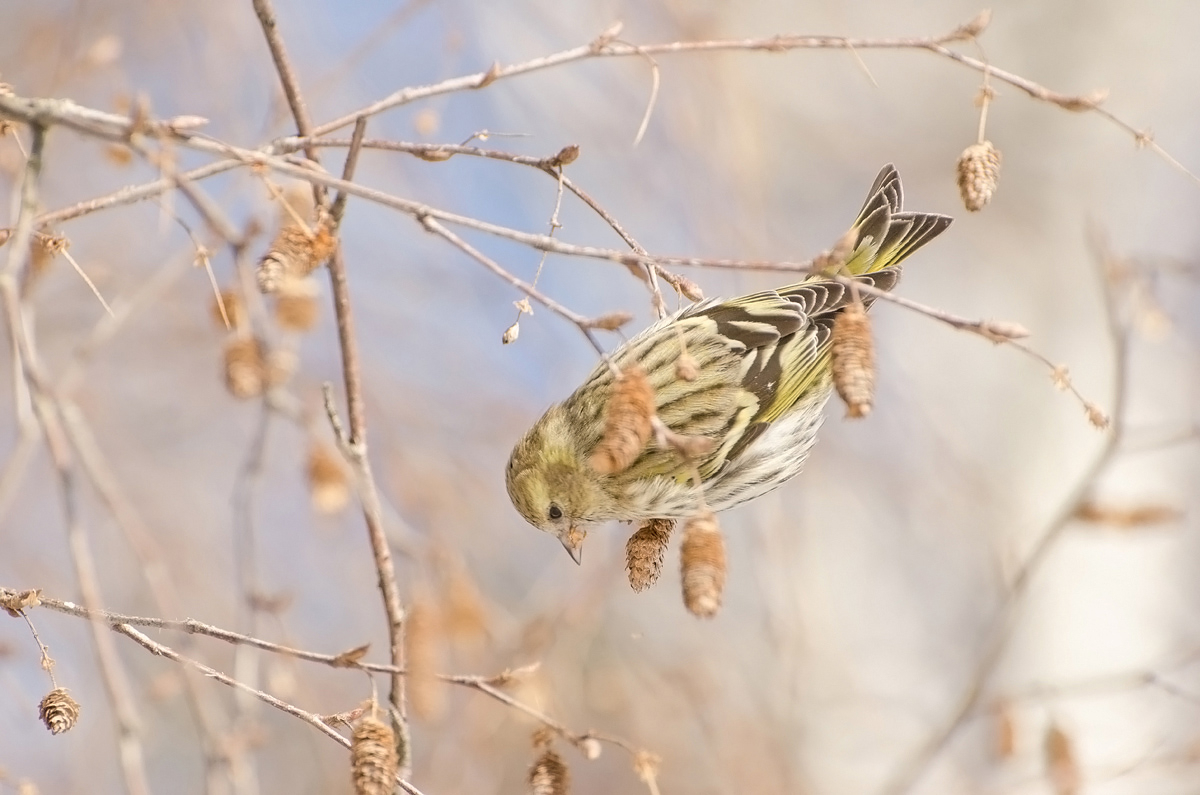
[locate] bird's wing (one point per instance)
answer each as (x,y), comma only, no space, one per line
(760,355)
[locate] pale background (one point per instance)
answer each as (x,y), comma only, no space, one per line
(859,596)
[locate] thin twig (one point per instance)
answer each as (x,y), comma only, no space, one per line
(989,330)
(482,684)
(584,324)
(356,144)
(651,101)
(356,447)
(115,127)
(133,194)
(310,718)
(424,213)
(543,164)
(287,75)
(86,280)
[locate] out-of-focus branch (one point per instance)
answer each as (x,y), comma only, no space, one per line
(915,767)
(488,685)
(47,411)
(287,75)
(425,213)
(351,165)
(134,193)
(639,258)
(354,447)
(310,718)
(115,127)
(104,480)
(1000,332)
(62,110)
(605,46)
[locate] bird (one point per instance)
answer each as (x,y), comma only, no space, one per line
(758,387)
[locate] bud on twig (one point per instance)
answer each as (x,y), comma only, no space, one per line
(565,156)
(969,31)
(489,76)
(13,602)
(686,287)
(1096,417)
(1002,330)
(1083,102)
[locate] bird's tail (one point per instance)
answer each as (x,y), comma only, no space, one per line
(886,234)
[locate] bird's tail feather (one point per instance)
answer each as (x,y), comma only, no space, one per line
(887,234)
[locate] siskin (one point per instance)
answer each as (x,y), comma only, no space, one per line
(762,376)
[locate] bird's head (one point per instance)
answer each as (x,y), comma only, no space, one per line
(552,486)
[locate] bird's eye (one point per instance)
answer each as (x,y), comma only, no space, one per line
(555,512)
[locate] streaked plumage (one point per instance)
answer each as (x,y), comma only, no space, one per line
(764,377)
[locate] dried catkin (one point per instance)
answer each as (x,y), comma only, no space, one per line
(702,561)
(1061,765)
(627,422)
(294,253)
(853,359)
(611,321)
(1125,517)
(42,250)
(328,486)
(645,765)
(464,614)
(549,775)
(296,307)
(58,710)
(978,171)
(422,639)
(644,553)
(373,760)
(245,370)
(228,311)
(1006,730)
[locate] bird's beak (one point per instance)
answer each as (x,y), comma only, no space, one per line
(572,541)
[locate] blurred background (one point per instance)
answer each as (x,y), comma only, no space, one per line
(862,598)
